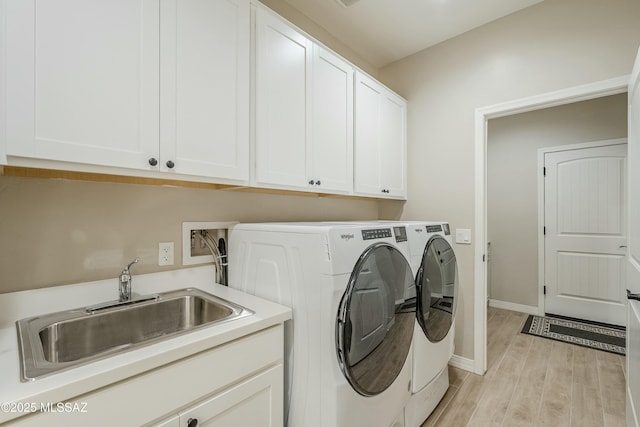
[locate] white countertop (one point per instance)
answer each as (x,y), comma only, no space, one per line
(65,385)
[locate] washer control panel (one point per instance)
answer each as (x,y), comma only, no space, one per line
(376,233)
(434,228)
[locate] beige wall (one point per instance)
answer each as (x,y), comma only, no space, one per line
(512,181)
(57,232)
(553,45)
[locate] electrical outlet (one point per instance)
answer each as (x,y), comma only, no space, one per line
(165,253)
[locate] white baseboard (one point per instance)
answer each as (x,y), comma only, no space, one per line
(529,309)
(462,363)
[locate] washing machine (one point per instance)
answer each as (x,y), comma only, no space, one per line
(433,263)
(347,347)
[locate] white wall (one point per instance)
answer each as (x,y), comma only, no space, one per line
(512,181)
(553,45)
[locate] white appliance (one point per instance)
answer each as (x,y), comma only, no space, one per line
(434,264)
(347,348)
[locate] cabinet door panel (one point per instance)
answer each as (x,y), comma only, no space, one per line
(380,140)
(205,87)
(78,91)
(367,137)
(393,144)
(283,58)
(255,402)
(332,122)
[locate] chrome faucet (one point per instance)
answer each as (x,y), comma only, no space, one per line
(125,282)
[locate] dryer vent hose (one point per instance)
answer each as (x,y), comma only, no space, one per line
(219,256)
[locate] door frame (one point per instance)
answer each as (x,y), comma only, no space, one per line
(570,95)
(541,192)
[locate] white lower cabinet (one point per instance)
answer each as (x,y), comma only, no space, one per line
(249,403)
(236,384)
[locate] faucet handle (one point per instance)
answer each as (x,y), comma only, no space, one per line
(135,261)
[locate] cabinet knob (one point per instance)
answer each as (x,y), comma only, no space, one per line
(170,165)
(384,190)
(192,422)
(311,182)
(318,182)
(153,161)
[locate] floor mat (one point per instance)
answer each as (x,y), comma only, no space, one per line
(574,331)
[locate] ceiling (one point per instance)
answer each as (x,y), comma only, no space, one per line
(383,31)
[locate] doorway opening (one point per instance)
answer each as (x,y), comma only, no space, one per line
(483,115)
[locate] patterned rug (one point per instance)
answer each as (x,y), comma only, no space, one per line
(580,332)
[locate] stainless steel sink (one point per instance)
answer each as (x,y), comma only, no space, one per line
(66,339)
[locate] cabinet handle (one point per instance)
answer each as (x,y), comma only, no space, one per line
(153,161)
(384,190)
(192,422)
(318,182)
(633,296)
(311,182)
(170,165)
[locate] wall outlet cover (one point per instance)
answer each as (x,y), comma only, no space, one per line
(165,253)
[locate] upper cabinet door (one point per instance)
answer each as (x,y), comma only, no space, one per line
(204,72)
(380,140)
(283,61)
(332,123)
(393,134)
(78,91)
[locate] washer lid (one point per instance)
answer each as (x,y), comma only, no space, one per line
(437,283)
(375,320)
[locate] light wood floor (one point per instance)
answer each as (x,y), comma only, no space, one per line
(532,381)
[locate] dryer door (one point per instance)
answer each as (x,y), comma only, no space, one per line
(437,283)
(375,321)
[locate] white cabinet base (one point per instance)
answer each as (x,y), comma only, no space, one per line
(245,373)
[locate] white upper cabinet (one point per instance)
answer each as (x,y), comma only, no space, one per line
(78,91)
(204,87)
(304,111)
(332,123)
(148,85)
(283,89)
(380,140)
(160,88)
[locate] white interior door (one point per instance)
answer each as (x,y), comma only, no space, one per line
(633,259)
(585,241)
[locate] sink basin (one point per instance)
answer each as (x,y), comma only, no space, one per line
(66,339)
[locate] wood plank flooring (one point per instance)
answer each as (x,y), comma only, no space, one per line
(533,381)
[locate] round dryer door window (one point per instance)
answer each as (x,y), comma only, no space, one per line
(375,320)
(437,282)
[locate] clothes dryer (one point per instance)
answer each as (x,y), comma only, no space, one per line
(347,348)
(433,262)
